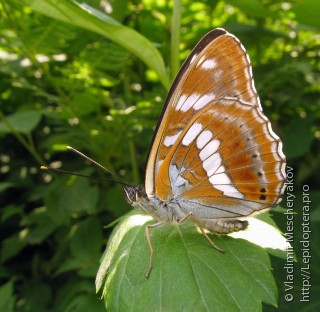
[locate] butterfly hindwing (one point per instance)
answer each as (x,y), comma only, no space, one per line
(224,160)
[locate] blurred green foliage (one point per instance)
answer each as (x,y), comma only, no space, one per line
(72,76)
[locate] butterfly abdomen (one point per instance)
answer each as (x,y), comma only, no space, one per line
(224,226)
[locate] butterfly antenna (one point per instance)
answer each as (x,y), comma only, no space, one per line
(97,164)
(79,175)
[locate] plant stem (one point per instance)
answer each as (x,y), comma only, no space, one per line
(22,140)
(175,37)
(133,159)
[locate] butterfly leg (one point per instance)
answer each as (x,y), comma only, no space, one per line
(149,226)
(197,222)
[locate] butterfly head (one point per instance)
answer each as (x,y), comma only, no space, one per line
(134,193)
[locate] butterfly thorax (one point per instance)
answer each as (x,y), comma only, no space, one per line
(172,211)
(167,211)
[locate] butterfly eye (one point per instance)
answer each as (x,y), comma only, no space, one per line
(130,193)
(134,193)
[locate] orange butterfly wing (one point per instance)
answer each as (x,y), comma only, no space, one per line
(213,147)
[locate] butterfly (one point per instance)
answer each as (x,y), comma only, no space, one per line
(214,157)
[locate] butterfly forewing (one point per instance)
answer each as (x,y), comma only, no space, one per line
(217,67)
(214,151)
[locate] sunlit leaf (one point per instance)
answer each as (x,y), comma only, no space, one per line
(183,257)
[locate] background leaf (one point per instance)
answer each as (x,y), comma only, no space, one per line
(298,133)
(7,298)
(85,16)
(306,12)
(23,122)
(252,7)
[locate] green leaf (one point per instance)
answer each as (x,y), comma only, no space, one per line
(41,225)
(298,136)
(23,122)
(252,7)
(315,214)
(307,12)
(85,103)
(7,298)
(186,265)
(5,185)
(85,248)
(66,198)
(37,295)
(87,239)
(84,16)
(85,245)
(85,303)
(68,295)
(11,246)
(9,211)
